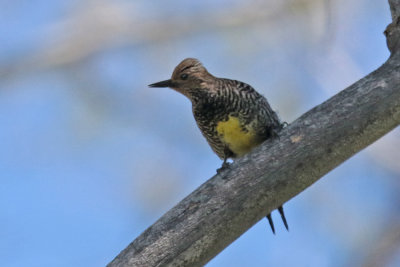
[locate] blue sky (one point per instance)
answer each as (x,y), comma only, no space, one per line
(90,157)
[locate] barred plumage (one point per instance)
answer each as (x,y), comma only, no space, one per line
(231,98)
(232,116)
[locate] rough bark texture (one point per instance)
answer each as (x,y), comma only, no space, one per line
(228,204)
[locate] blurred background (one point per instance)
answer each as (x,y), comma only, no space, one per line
(90,156)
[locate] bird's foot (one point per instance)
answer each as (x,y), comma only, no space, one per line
(223,167)
(274,134)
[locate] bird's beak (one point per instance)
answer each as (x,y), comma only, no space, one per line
(166,83)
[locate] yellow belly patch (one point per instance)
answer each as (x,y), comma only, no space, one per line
(240,141)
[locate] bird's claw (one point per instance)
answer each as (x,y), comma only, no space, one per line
(223,167)
(284,124)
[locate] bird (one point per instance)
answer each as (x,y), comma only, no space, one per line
(232,116)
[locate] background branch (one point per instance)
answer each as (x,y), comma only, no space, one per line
(224,207)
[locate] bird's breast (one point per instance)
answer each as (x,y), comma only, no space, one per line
(238,137)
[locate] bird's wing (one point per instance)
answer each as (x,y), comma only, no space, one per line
(257,103)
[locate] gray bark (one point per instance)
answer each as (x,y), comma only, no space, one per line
(224,207)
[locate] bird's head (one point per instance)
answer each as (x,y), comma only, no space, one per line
(188,76)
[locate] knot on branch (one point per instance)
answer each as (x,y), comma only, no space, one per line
(392,31)
(392,34)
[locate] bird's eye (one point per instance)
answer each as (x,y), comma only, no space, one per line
(184,76)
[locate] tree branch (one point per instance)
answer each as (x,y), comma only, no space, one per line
(228,204)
